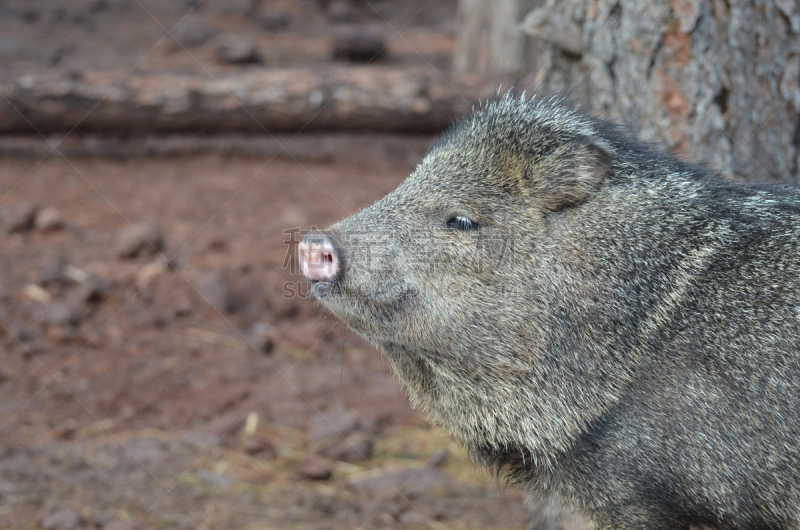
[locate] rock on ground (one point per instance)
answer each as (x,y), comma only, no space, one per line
(139,239)
(20,218)
(233,49)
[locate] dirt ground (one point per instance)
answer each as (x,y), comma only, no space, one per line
(172,375)
(122,35)
(127,395)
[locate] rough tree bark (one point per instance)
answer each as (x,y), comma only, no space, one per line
(712,80)
(488,38)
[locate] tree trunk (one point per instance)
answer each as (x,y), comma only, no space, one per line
(488,39)
(711,80)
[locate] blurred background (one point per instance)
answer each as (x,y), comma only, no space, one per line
(160,367)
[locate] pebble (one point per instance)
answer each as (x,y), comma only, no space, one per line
(233,49)
(61,334)
(182,305)
(20,218)
(274,20)
(22,332)
(257,446)
(263,337)
(48,219)
(72,309)
(413,519)
(91,290)
(242,8)
(216,480)
(37,293)
(439,458)
(62,313)
(148,272)
(355,448)
(312,468)
(409,481)
(96,6)
(341,11)
(66,430)
(127,525)
(193,33)
(282,307)
(55,54)
(74,273)
(226,425)
(337,420)
(217,244)
(139,239)
(30,16)
(214,290)
(178,253)
(63,519)
(358,44)
(50,270)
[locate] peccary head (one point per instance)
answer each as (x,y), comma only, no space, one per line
(458,276)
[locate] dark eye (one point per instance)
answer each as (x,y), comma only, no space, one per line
(459,222)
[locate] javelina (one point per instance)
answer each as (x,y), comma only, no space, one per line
(625,343)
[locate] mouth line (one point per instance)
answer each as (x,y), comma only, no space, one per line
(321,288)
(334,293)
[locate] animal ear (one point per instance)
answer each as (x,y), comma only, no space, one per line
(573,172)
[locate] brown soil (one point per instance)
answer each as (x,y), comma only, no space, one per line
(187,384)
(123,35)
(129,401)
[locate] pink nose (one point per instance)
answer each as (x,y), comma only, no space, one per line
(318,259)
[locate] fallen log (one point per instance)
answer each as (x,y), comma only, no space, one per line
(373,98)
(344,147)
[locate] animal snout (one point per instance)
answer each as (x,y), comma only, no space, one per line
(319,260)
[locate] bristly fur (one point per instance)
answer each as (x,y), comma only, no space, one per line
(617,330)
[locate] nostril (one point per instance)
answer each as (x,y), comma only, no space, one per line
(318,257)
